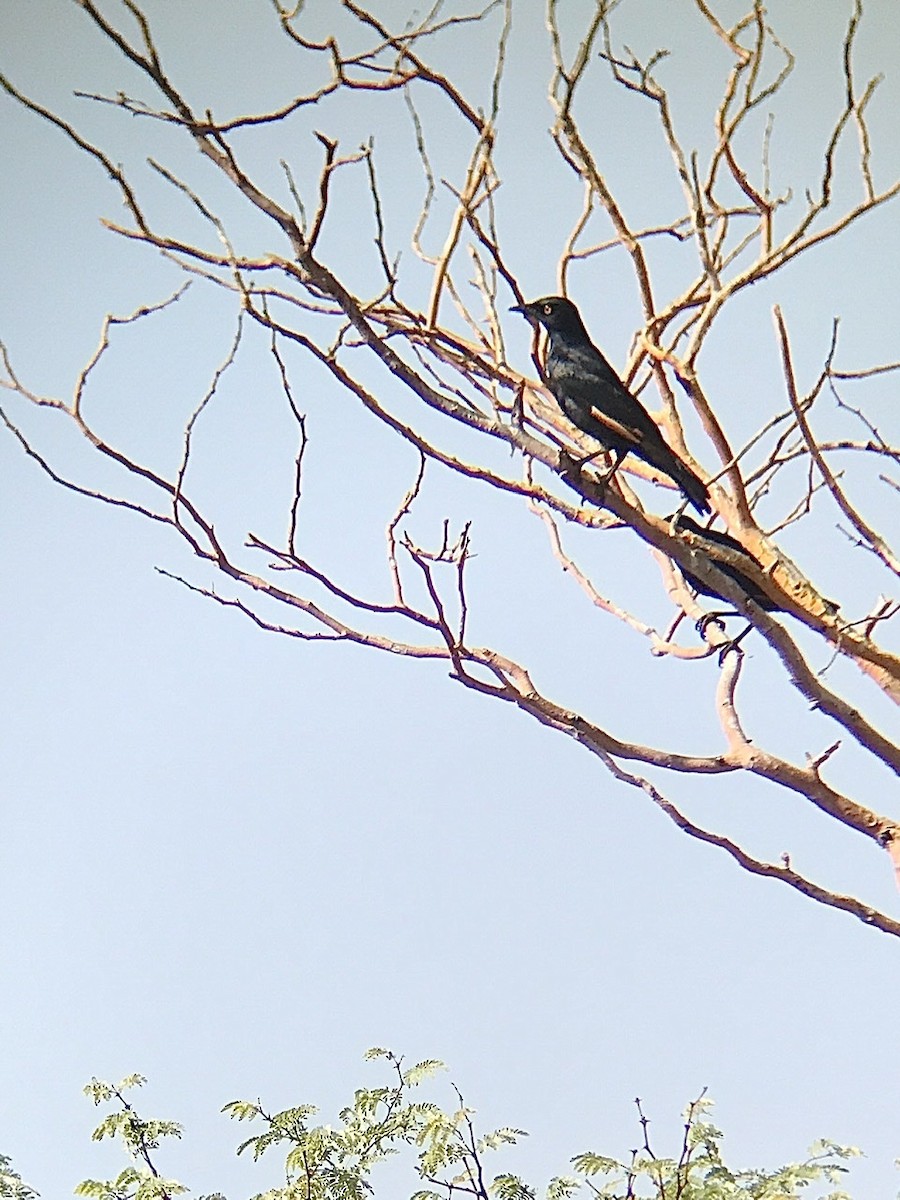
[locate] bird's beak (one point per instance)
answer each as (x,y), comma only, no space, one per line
(525,309)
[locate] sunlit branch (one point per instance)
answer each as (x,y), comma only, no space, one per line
(865,913)
(865,531)
(435,352)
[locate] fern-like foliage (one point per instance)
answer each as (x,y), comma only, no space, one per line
(447,1155)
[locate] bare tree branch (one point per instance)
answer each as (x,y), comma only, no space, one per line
(421,349)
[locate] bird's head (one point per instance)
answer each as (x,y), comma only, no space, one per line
(684,523)
(555,313)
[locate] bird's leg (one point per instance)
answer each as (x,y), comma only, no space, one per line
(676,515)
(605,479)
(734,644)
(578,463)
(618,456)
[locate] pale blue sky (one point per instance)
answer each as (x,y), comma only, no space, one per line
(233,862)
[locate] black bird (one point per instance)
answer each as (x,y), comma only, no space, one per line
(748,586)
(596,400)
(744,582)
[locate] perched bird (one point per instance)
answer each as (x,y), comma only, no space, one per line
(681,521)
(744,582)
(596,400)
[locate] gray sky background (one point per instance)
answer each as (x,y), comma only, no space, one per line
(233,862)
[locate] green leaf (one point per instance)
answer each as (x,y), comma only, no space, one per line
(562,1186)
(92,1187)
(511,1187)
(109,1126)
(98,1091)
(241,1110)
(12,1186)
(423,1070)
(501,1137)
(596,1164)
(131,1081)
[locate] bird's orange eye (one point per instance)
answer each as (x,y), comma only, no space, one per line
(548,309)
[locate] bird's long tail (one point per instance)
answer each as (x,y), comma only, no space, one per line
(690,484)
(693,487)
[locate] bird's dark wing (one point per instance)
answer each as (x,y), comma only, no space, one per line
(595,399)
(718,537)
(620,431)
(588,380)
(591,392)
